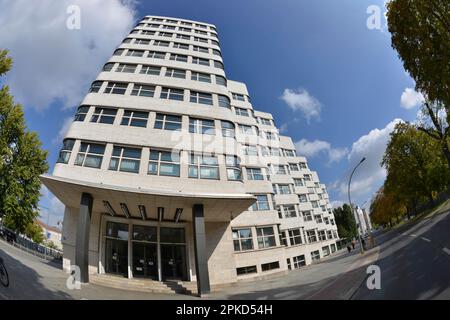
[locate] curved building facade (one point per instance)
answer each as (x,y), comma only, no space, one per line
(168,172)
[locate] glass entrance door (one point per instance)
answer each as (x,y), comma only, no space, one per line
(145,260)
(116,254)
(173,262)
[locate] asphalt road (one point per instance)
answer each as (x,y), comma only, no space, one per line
(414,261)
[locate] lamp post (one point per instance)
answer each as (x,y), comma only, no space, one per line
(351,206)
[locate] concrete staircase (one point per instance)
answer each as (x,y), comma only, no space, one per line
(144,285)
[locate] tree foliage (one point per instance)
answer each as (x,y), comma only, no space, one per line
(385,207)
(35,232)
(21,161)
(345,222)
(420,32)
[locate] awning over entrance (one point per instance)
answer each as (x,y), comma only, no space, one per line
(217,207)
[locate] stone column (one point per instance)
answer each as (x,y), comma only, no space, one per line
(201,261)
(82,243)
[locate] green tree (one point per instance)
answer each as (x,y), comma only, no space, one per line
(35,232)
(345,222)
(416,168)
(420,32)
(385,207)
(21,161)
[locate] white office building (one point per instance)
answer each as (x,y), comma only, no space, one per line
(168,172)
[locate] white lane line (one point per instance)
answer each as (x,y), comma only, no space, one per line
(404,234)
(447,251)
(425,239)
(413,235)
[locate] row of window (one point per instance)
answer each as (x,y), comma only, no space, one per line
(160,162)
(252,269)
(179,36)
(288,188)
(163,71)
(177,28)
(292,211)
(170,56)
(243,239)
(183,23)
(162,43)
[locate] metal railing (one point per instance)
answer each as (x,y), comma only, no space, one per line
(29,245)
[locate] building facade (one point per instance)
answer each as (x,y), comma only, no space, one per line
(168,172)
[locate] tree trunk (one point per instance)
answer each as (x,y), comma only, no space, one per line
(446,151)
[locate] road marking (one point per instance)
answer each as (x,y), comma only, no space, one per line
(447,251)
(404,234)
(413,235)
(425,239)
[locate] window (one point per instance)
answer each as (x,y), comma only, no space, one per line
(264,121)
(224,101)
(326,251)
(239,97)
(104,115)
(181,46)
(216,52)
(214,42)
(284,189)
(202,77)
(118,52)
(151,70)
(332,222)
(172,94)
(201,126)
(164,163)
(134,118)
(250,150)
(200,61)
(245,270)
(116,88)
(299,261)
(314,204)
(168,122)
(289,211)
(108,66)
(311,234)
(307,177)
(142,41)
(157,55)
(200,49)
(148,32)
(278,169)
(270,135)
(161,43)
(318,218)
(221,81)
(276,152)
(261,204)
(303,198)
(126,68)
(315,255)
(270,266)
(176,73)
(178,57)
(168,27)
(201,32)
(90,155)
(329,234)
(218,64)
(135,53)
(254,174)
(227,129)
(81,113)
(184,23)
(322,235)
(307,215)
(242,239)
(201,97)
(265,237)
(125,159)
(201,26)
(166,34)
(298,182)
(185,29)
(66,151)
(203,166)
(294,167)
(198,39)
(153,25)
(127,40)
(143,90)
(295,236)
(289,153)
(245,129)
(183,36)
(95,87)
(233,168)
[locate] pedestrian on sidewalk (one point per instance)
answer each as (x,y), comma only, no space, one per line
(353,243)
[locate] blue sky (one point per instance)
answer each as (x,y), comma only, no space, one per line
(321,51)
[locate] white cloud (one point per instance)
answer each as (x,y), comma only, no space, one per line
(301,100)
(337,203)
(311,149)
(51,62)
(370,175)
(411,98)
(283,128)
(63,131)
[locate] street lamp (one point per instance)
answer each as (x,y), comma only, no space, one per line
(351,206)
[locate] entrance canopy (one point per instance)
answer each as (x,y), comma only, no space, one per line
(147,203)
